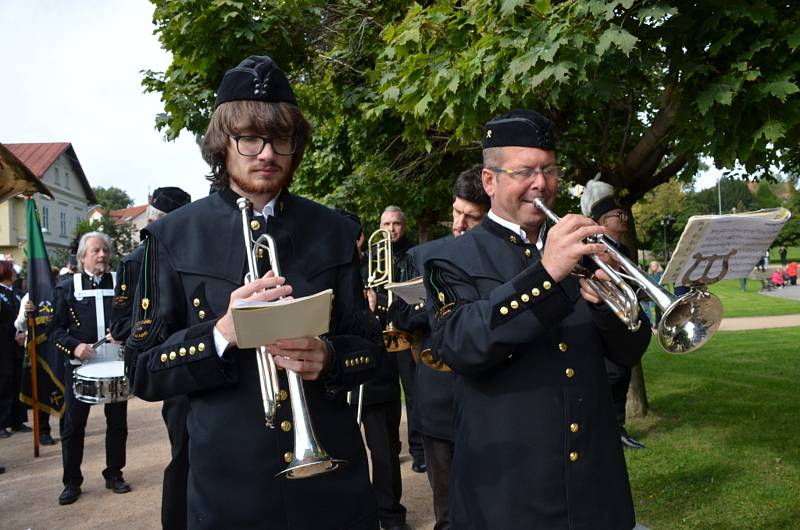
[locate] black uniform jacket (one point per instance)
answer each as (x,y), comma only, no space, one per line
(127,278)
(194,259)
(433,393)
(536,445)
(75,321)
(9,349)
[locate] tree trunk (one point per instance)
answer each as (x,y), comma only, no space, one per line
(636,405)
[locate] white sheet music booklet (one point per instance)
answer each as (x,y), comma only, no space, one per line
(714,247)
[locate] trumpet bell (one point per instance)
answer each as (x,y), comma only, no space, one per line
(311,464)
(689,322)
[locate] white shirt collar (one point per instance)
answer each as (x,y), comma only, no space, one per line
(517,229)
(269,208)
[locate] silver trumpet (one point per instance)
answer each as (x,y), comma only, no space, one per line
(688,321)
(308,458)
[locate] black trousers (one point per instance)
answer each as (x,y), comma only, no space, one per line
(408,377)
(439,457)
(175,412)
(619,377)
(74,432)
(382,431)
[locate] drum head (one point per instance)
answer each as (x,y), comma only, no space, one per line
(101,370)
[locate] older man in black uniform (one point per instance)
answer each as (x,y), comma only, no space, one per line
(81,316)
(195,261)
(175,410)
(536,441)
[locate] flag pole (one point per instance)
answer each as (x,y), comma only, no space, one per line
(34,381)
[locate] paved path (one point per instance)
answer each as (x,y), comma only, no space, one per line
(30,486)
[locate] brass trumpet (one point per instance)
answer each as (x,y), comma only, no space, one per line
(688,321)
(381,272)
(308,458)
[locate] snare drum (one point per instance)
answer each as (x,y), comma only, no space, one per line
(101,382)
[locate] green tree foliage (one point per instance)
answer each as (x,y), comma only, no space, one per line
(398,92)
(766,197)
(112,198)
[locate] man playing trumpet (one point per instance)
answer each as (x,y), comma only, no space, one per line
(534,429)
(195,261)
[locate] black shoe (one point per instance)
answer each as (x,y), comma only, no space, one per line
(69,495)
(21,428)
(117,485)
(630,442)
(419,467)
(46,439)
(5,433)
(2,470)
(402,526)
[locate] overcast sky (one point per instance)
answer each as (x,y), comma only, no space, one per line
(70,72)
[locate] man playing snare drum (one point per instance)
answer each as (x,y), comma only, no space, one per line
(81,317)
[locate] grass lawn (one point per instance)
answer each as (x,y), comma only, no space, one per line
(792,253)
(738,303)
(722,436)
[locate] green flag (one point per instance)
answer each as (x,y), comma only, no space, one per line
(50,365)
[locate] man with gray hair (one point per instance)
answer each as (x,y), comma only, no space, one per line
(82,310)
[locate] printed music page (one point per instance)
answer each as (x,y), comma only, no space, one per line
(260,323)
(715,247)
(412,291)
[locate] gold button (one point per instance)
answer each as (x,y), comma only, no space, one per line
(123,287)
(573,456)
(504,310)
(525,298)
(535,291)
(528,252)
(366,360)
(201,347)
(547,285)
(282,395)
(347,363)
(286,426)
(510,355)
(172,356)
(182,351)
(287,457)
(513,239)
(201,314)
(163,357)
(562,346)
(255,225)
(260,253)
(570,372)
(514,304)
(196,302)
(192,350)
(573,427)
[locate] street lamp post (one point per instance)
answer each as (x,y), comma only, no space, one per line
(719,193)
(665,222)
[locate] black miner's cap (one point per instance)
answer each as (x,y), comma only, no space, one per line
(257,78)
(169,198)
(520,128)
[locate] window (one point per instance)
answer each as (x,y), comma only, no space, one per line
(45,219)
(78,220)
(57,177)
(62,217)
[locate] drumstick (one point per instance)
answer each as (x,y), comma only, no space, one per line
(99,343)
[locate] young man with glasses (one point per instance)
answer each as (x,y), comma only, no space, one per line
(599,203)
(536,444)
(192,274)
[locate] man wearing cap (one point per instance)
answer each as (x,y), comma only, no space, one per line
(434,403)
(81,316)
(194,266)
(175,410)
(599,203)
(535,437)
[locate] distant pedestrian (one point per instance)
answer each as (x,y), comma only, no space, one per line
(782,251)
(791,272)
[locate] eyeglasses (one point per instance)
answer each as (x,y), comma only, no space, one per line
(528,173)
(250,145)
(622,216)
